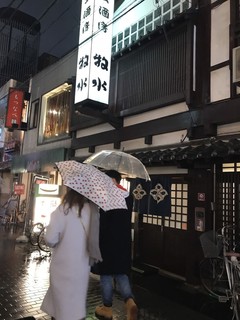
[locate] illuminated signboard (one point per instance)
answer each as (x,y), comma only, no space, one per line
(94,52)
(14,108)
(19,188)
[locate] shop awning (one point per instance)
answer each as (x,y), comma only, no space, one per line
(42,161)
(209,150)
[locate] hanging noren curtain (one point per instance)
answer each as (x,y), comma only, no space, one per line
(153,197)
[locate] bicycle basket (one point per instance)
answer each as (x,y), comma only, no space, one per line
(211,244)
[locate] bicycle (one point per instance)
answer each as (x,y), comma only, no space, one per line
(220,270)
(41,241)
(6,219)
(35,232)
(37,238)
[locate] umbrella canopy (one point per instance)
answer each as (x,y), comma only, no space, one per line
(123,162)
(93,184)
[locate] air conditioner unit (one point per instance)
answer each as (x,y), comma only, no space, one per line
(236,64)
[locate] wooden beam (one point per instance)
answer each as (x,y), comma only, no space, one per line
(171,123)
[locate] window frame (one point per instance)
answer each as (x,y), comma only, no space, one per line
(43,109)
(34,114)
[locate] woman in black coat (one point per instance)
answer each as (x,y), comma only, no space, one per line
(115,240)
(115,246)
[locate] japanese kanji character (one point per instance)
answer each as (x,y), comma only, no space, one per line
(101,61)
(102,26)
(83,62)
(87,12)
(104,12)
(85,27)
(98,83)
(82,84)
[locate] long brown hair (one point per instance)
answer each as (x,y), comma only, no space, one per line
(73,198)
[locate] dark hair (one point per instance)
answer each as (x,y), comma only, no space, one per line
(114,174)
(73,198)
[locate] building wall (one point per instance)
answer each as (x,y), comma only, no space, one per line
(131,145)
(220,78)
(43,82)
(198,181)
(221,59)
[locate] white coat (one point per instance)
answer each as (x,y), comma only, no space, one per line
(69,268)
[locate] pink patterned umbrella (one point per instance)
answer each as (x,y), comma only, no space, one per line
(93,184)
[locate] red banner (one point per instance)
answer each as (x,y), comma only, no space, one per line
(14,108)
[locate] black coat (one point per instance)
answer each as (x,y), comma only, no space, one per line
(115,240)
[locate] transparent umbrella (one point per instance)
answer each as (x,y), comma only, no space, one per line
(120,161)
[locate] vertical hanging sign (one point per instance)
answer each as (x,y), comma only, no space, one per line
(14,108)
(94,51)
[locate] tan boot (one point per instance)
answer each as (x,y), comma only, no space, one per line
(103,313)
(132,310)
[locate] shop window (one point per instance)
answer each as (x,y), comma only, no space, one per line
(231,167)
(55,112)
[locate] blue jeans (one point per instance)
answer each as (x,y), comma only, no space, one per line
(106,282)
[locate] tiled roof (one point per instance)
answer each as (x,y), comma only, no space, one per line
(206,150)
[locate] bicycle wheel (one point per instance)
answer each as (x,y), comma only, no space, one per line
(213,277)
(34,233)
(41,241)
(235,303)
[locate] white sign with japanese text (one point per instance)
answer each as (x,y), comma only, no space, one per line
(94,51)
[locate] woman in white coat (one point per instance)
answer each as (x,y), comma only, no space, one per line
(69,268)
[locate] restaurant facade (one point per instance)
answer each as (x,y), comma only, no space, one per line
(174,104)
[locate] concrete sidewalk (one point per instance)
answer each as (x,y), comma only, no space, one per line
(24,280)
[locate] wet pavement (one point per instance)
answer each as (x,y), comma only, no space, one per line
(24,280)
